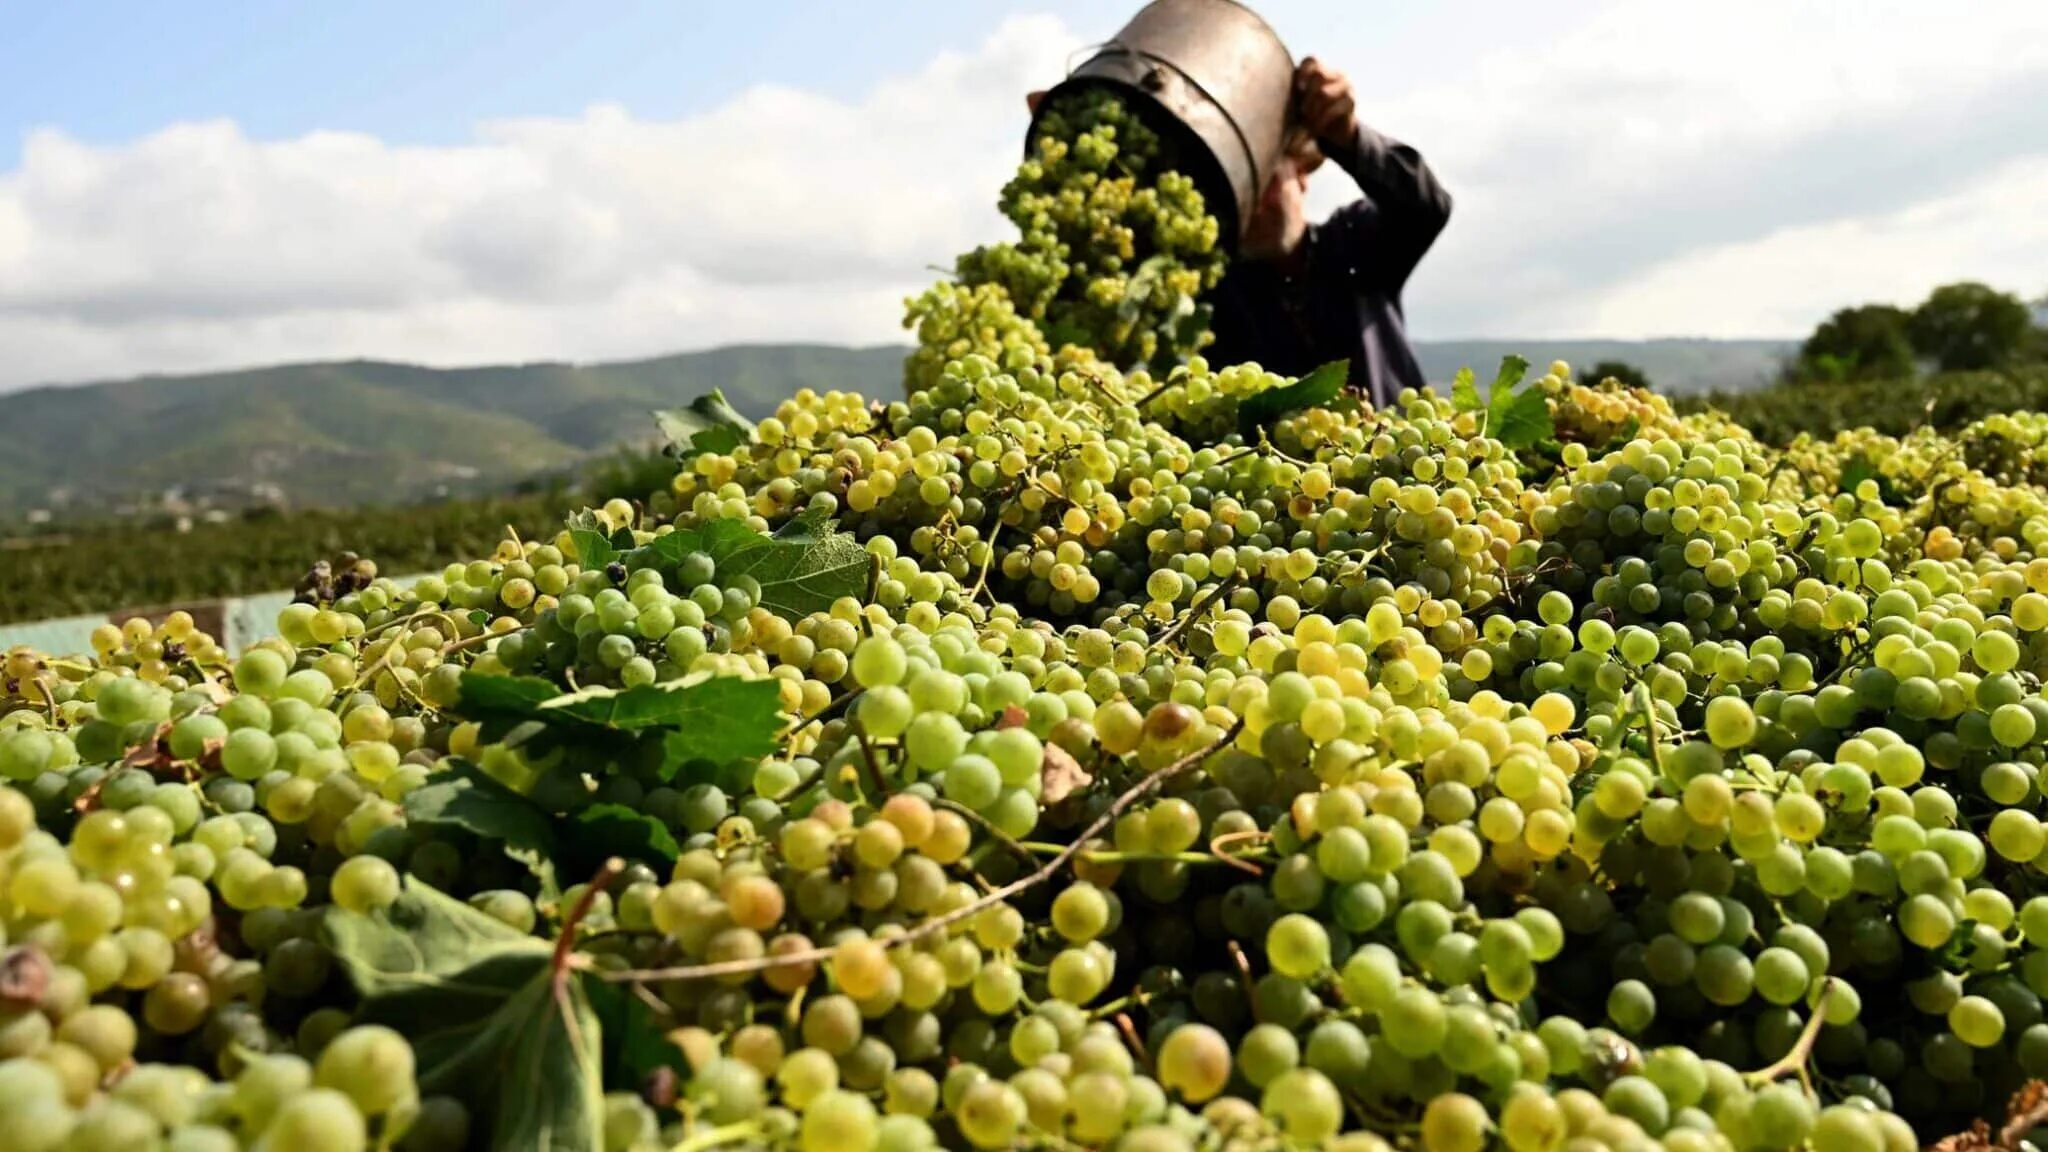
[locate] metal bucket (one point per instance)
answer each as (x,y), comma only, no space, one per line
(1221,83)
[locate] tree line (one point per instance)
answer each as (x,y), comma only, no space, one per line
(1961,327)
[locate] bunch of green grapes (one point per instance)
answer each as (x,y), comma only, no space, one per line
(1116,246)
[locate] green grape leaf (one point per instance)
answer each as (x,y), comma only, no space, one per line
(1523,422)
(714,720)
(589,536)
(605,830)
(424,941)
(806,566)
(636,1038)
(1315,390)
(1521,419)
(1464,393)
(592,549)
(722,540)
(1512,369)
(502,697)
(463,797)
(480,1005)
(726,717)
(709,424)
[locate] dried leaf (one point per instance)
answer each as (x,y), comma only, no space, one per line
(24,976)
(1061,775)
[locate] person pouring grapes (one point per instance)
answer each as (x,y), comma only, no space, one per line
(1300,294)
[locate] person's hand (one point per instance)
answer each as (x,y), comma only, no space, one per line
(1328,111)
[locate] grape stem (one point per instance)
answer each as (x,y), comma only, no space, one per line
(1115,857)
(1157,391)
(1022,851)
(749,1130)
(981,582)
(1131,1037)
(1649,707)
(49,697)
(565,944)
(1199,607)
(1244,970)
(1795,1060)
(479,639)
(1856,652)
(938,924)
(867,756)
(1216,849)
(440,614)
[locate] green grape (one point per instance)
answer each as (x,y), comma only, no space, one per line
(371,1064)
(1454,1122)
(318,1120)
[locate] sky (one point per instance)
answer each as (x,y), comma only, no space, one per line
(194,187)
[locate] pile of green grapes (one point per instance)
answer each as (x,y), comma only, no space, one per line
(1036,761)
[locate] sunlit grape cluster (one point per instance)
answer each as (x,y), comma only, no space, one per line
(1115,252)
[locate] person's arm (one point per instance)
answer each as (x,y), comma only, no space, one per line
(1406,207)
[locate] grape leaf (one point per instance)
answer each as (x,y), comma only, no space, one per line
(605,830)
(463,797)
(709,424)
(1524,422)
(803,568)
(807,565)
(479,1003)
(719,720)
(1464,393)
(636,1044)
(483,697)
(1517,419)
(592,549)
(738,718)
(593,545)
(423,941)
(1315,390)
(720,539)
(1512,369)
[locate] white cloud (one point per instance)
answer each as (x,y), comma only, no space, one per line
(1994,231)
(780,215)
(1632,133)
(1620,168)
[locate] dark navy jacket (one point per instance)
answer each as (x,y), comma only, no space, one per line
(1342,300)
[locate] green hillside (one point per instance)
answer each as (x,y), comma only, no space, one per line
(367,431)
(370,432)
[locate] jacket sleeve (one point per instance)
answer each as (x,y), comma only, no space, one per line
(1385,235)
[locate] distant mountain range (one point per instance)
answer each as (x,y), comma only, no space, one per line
(366,431)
